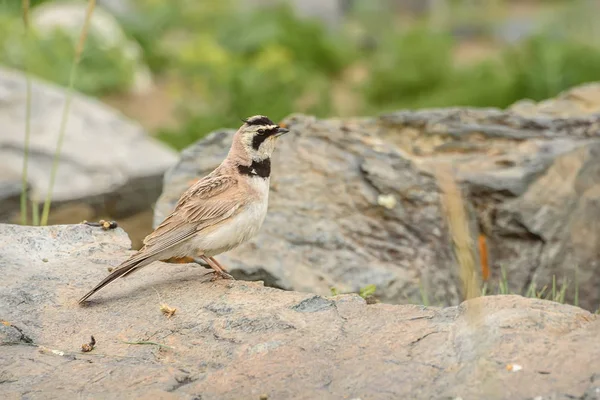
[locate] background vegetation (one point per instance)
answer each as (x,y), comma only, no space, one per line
(216,62)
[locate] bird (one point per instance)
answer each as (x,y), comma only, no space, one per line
(217,213)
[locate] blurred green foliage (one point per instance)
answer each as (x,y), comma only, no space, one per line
(260,62)
(223,62)
(49,56)
(537,68)
(409,66)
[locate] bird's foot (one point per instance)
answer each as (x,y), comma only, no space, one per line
(220,272)
(221,275)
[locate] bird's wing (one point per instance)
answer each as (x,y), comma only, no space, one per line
(208,202)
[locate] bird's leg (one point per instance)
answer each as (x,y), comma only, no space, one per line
(219,264)
(186,260)
(219,272)
(201,262)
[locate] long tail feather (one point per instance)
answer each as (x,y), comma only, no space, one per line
(124,269)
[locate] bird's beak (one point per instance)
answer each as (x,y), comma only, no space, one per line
(281,131)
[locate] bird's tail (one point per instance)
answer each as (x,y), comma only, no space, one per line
(124,269)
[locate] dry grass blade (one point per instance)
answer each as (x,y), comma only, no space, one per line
(458,224)
(24,173)
(457,218)
(35,213)
(65,115)
(164,307)
(167,310)
(146,342)
(576,299)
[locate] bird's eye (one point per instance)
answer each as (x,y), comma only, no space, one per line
(261,131)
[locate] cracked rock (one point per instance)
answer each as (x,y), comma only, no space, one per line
(353,202)
(107,161)
(241,340)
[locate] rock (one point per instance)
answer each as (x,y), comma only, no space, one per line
(515,29)
(532,178)
(355,202)
(10,195)
(107,160)
(325,225)
(329,12)
(580,101)
(235,339)
(120,8)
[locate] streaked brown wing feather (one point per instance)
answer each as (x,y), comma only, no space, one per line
(207,202)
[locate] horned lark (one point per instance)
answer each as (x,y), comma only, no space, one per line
(217,213)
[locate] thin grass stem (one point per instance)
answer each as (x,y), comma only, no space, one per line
(24,173)
(35,213)
(563,291)
(503,284)
(424,295)
(65,114)
(531,290)
(146,342)
(576,299)
(540,294)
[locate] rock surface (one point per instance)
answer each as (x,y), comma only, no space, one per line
(10,196)
(234,339)
(354,202)
(325,226)
(107,160)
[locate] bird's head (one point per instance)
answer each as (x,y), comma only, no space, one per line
(257,137)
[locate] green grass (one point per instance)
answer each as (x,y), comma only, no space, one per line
(367,292)
(66,109)
(424,295)
(36,220)
(24,174)
(552,291)
(50,56)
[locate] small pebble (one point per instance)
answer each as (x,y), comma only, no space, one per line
(387,200)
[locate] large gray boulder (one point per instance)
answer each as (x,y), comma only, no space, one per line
(10,195)
(325,226)
(356,202)
(107,160)
(240,340)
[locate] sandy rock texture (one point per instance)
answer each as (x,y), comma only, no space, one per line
(235,339)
